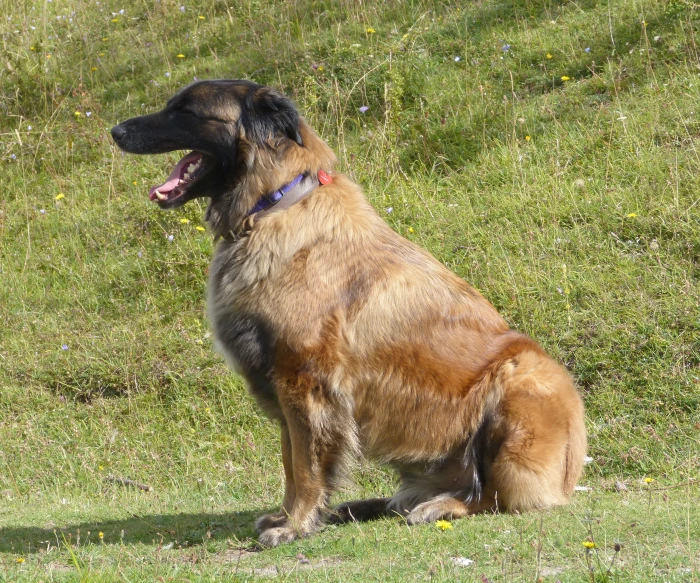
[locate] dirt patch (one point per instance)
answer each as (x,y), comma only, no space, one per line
(301,563)
(237,555)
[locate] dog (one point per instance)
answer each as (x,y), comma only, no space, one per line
(354,339)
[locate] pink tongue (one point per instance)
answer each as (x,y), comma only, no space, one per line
(175,175)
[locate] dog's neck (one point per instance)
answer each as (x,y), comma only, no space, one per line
(286,196)
(266,170)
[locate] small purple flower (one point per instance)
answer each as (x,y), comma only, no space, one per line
(13,156)
(587,49)
(167,74)
(389,210)
(505,48)
(64,347)
(140,254)
(182,8)
(170,238)
(458,59)
(314,66)
(363,109)
(88,113)
(42,212)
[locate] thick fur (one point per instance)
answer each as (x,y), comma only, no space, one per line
(359,342)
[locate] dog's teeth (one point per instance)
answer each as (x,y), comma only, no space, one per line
(161,196)
(191,168)
(186,176)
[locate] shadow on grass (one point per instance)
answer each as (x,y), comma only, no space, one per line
(158,529)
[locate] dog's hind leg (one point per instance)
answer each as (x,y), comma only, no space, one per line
(544,439)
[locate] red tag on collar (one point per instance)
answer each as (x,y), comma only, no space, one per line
(324,178)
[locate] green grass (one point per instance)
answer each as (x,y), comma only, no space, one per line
(572,205)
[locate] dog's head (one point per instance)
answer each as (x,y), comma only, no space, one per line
(213,119)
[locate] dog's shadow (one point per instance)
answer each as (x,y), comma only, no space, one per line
(159,530)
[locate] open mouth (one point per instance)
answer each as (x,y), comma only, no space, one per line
(186,172)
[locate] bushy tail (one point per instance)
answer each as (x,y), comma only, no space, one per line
(576,451)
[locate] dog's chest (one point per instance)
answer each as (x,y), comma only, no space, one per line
(241,334)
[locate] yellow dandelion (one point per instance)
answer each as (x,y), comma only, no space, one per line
(443,525)
(134,183)
(320,68)
(100,54)
(631,215)
(648,480)
(527,138)
(104,39)
(184,221)
(59,196)
(115,20)
(78,114)
(100,468)
(181,56)
(48,55)
(20,560)
(201,17)
(200,229)
(565,78)
(94,69)
(411,230)
(32,49)
(589,544)
(405,36)
(549,55)
(370,30)
(101,535)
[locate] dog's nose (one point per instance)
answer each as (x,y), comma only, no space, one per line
(118,132)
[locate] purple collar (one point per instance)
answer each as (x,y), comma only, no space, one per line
(279,200)
(270,200)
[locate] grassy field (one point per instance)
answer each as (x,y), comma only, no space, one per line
(547,152)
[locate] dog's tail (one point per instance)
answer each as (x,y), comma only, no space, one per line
(575,452)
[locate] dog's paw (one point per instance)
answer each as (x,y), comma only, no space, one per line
(426,512)
(274,537)
(437,509)
(268,521)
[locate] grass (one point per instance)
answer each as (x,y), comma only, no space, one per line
(572,204)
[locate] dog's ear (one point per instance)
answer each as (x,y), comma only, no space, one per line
(270,114)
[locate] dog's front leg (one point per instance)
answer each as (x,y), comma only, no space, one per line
(280,518)
(317,442)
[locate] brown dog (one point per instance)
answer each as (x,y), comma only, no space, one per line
(350,336)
